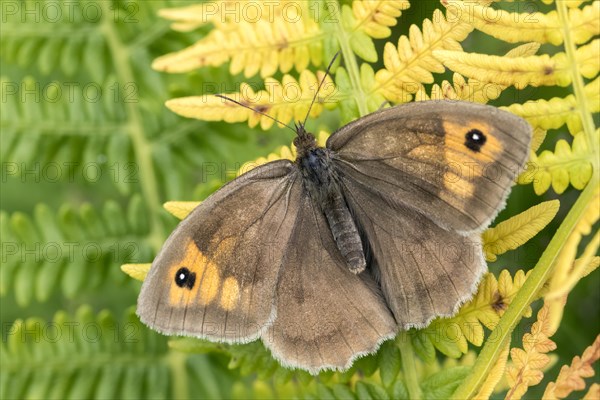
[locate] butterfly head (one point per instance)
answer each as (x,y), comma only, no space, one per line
(304,141)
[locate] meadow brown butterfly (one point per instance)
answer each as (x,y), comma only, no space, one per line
(325,257)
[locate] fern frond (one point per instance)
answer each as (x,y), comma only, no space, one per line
(472,89)
(73,251)
(180,209)
(285,100)
(411,62)
(523,27)
(561,167)
(452,335)
(542,70)
(514,232)
(494,376)
(593,393)
(94,356)
(39,119)
(188,18)
(571,377)
(374,17)
(528,362)
(578,269)
(567,272)
(554,113)
(539,135)
(136,271)
(264,44)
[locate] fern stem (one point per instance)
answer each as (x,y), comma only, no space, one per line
(135,128)
(409,366)
(578,85)
(343,37)
(492,348)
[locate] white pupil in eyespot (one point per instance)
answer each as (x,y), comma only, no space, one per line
(181,276)
(475,136)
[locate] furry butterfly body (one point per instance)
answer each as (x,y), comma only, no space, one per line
(325,257)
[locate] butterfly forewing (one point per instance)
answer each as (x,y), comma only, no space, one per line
(452,161)
(217,273)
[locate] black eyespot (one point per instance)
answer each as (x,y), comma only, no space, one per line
(474,140)
(185,278)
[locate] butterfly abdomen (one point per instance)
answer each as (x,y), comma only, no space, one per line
(345,233)
(321,183)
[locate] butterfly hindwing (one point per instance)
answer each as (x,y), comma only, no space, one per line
(326,315)
(217,273)
(452,161)
(424,271)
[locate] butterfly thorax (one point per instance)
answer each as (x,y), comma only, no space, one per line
(322,183)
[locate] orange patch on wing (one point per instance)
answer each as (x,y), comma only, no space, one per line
(222,249)
(206,282)
(464,164)
(230,293)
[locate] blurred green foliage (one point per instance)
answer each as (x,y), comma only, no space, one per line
(89,154)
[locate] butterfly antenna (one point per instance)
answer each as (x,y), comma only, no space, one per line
(255,110)
(320,85)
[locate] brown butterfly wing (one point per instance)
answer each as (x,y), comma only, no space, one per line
(418,156)
(326,315)
(424,271)
(233,244)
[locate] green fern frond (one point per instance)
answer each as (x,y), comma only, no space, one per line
(96,356)
(72,251)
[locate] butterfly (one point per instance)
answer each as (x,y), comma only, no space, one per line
(327,256)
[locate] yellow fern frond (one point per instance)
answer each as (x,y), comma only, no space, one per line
(553,113)
(570,378)
(537,139)
(473,90)
(541,70)
(188,18)
(523,27)
(566,272)
(253,44)
(588,268)
(528,362)
(514,232)
(578,270)
(180,209)
(411,63)
(561,167)
(495,375)
(136,271)
(452,335)
(374,17)
(285,100)
(593,393)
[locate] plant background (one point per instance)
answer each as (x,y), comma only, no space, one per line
(146,155)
